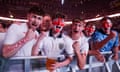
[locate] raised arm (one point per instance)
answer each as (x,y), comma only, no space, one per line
(99,44)
(81,57)
(11,49)
(35,49)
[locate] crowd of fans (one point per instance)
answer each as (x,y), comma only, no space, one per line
(44,35)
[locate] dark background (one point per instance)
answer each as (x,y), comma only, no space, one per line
(72,8)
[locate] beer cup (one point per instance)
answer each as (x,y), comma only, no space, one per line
(49,63)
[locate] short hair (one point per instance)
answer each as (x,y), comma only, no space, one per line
(90,23)
(78,20)
(59,15)
(36,10)
(105,18)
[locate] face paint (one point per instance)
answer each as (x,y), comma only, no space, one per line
(57,30)
(106,25)
(58,24)
(90,29)
(58,21)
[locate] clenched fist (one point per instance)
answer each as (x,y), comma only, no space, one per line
(76,46)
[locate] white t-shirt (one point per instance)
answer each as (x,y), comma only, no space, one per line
(54,47)
(84,46)
(17,32)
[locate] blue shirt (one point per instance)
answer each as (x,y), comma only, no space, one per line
(99,36)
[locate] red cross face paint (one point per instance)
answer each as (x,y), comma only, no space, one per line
(58,24)
(90,29)
(107,24)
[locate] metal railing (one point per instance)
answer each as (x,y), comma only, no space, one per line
(87,66)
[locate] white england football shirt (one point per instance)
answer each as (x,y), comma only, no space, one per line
(51,46)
